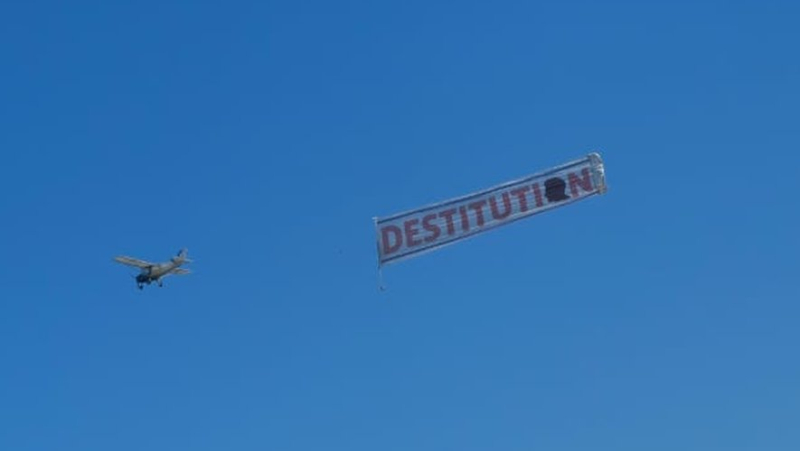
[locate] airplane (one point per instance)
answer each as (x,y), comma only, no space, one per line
(155,272)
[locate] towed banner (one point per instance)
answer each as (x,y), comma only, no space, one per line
(409,234)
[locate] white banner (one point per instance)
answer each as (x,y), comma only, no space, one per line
(409,234)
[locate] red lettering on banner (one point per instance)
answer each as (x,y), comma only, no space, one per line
(388,248)
(523,201)
(585,183)
(478,207)
(410,232)
(448,216)
(464,218)
(506,203)
(433,228)
(537,194)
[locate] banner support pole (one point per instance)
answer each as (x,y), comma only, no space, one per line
(381,286)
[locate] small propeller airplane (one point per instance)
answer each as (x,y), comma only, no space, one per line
(155,272)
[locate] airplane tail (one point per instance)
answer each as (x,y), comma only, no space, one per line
(183,256)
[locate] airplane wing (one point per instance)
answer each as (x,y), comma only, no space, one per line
(180,271)
(130,261)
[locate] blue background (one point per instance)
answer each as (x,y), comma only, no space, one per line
(264,136)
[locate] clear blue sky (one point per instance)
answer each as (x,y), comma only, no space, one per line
(264,136)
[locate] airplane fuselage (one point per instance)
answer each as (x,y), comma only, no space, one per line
(155,272)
